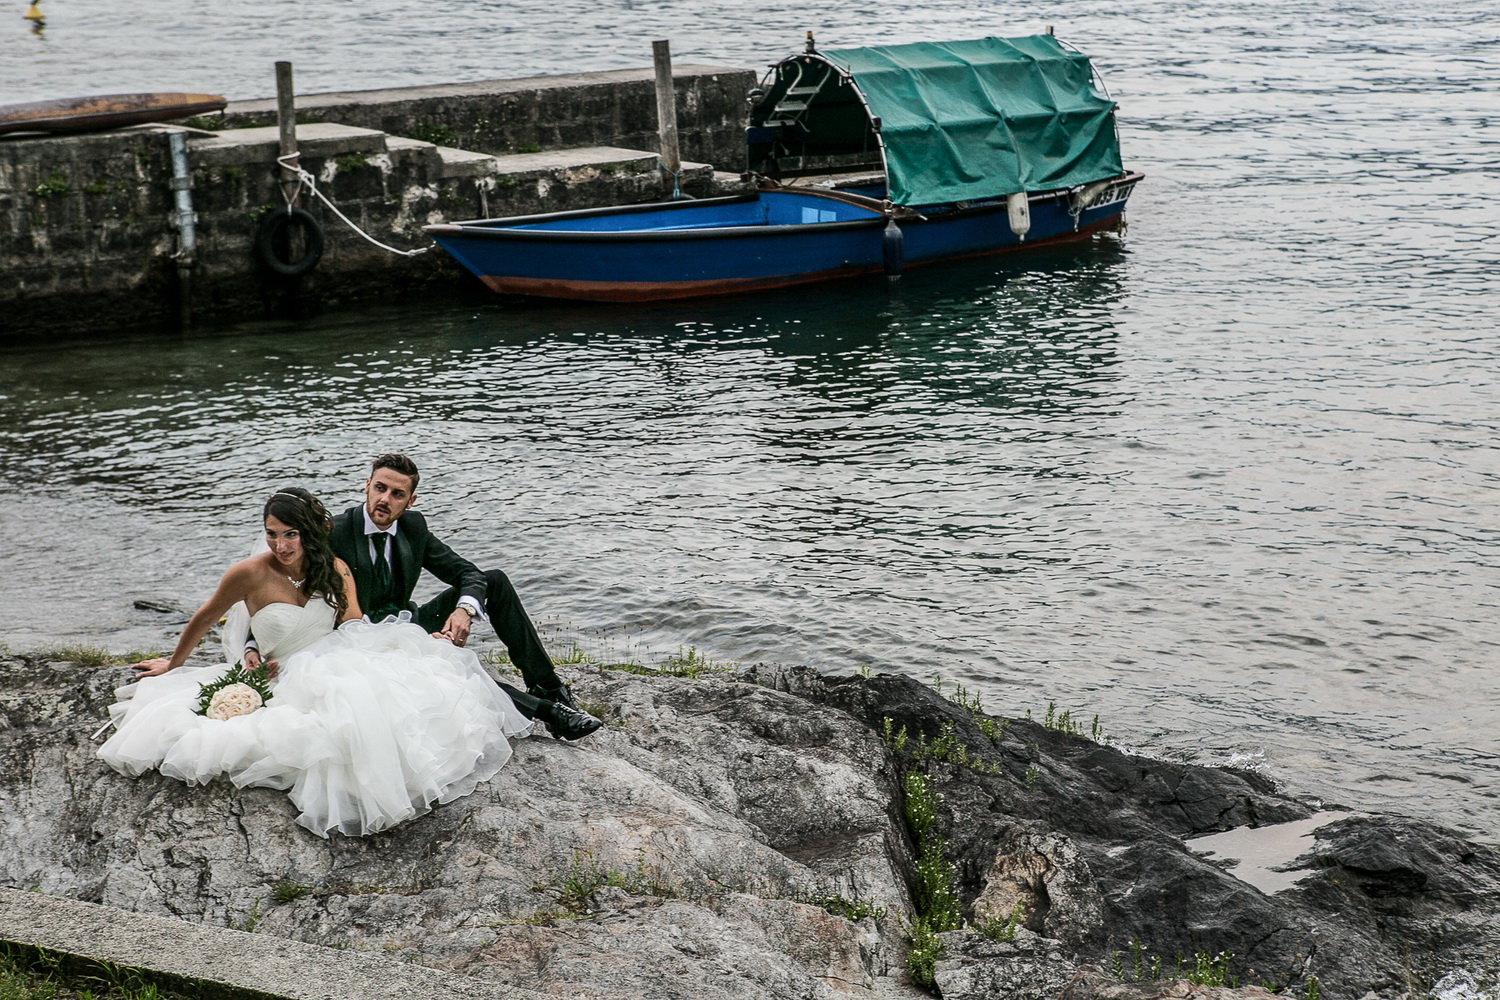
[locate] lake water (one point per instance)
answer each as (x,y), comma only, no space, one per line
(1228,479)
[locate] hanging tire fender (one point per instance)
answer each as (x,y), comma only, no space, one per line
(268,234)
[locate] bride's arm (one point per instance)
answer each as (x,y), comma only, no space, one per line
(351,599)
(233,587)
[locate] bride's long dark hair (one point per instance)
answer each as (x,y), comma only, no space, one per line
(296,508)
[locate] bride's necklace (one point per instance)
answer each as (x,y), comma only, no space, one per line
(296,583)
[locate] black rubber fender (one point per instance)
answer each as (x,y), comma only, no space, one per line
(273,224)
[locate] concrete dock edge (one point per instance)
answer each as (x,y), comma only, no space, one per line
(216,962)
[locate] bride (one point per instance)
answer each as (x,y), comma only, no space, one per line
(368,725)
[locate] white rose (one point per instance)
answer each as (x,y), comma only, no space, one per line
(232,700)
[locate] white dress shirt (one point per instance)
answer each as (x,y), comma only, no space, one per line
(371,528)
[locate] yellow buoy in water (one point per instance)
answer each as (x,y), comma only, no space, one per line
(34,13)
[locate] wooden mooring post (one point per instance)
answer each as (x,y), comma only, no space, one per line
(666,116)
(286,122)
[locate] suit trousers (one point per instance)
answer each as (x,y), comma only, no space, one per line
(513,627)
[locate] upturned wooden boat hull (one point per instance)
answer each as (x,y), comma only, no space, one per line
(775,238)
(95,114)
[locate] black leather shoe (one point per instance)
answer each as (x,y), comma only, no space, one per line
(568,723)
(561,694)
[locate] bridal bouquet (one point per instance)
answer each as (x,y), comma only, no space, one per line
(238,692)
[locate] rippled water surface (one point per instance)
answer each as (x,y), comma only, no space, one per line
(1227,479)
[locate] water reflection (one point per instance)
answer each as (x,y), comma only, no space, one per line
(1228,479)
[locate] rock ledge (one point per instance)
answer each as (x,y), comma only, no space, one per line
(743,836)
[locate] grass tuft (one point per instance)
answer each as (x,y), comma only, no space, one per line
(93,656)
(970,701)
(55,186)
(287,892)
(945,748)
(691,663)
(585,876)
(926,949)
(1063,722)
(546,916)
(938,908)
(841,906)
(1004,928)
(1212,970)
(1204,969)
(686,662)
(33,974)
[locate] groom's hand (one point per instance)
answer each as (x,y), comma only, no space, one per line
(252,661)
(456,628)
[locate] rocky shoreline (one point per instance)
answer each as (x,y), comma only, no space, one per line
(774,833)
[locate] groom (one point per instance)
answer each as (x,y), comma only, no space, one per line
(387,546)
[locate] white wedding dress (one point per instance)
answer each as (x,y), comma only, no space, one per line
(367,727)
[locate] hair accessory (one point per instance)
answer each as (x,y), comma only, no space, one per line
(285,493)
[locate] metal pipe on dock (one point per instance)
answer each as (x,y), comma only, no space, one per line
(186,220)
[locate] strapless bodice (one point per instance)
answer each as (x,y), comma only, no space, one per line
(282,629)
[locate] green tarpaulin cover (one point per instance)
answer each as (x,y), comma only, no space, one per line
(961,120)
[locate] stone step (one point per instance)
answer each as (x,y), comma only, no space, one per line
(465,162)
(329,139)
(251,145)
(527,166)
(606,159)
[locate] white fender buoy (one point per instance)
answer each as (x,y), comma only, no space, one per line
(1020,214)
(893,250)
(1085,198)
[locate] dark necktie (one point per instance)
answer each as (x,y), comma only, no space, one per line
(382,566)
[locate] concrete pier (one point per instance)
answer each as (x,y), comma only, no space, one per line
(608,108)
(199,960)
(88,240)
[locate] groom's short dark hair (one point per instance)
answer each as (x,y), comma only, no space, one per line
(399,464)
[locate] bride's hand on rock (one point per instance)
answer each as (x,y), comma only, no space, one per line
(151,668)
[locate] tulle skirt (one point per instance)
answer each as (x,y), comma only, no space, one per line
(367,728)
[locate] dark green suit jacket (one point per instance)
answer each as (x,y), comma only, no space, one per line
(415,550)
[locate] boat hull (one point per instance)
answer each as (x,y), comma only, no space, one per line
(94,114)
(724,246)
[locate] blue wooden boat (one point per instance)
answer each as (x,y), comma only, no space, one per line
(870,160)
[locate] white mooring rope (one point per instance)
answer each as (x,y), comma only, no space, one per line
(306,180)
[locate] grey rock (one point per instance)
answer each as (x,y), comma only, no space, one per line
(673,854)
(1044,876)
(1028,967)
(1093,846)
(162,607)
(688,849)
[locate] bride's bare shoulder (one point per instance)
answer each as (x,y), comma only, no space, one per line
(239,580)
(249,570)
